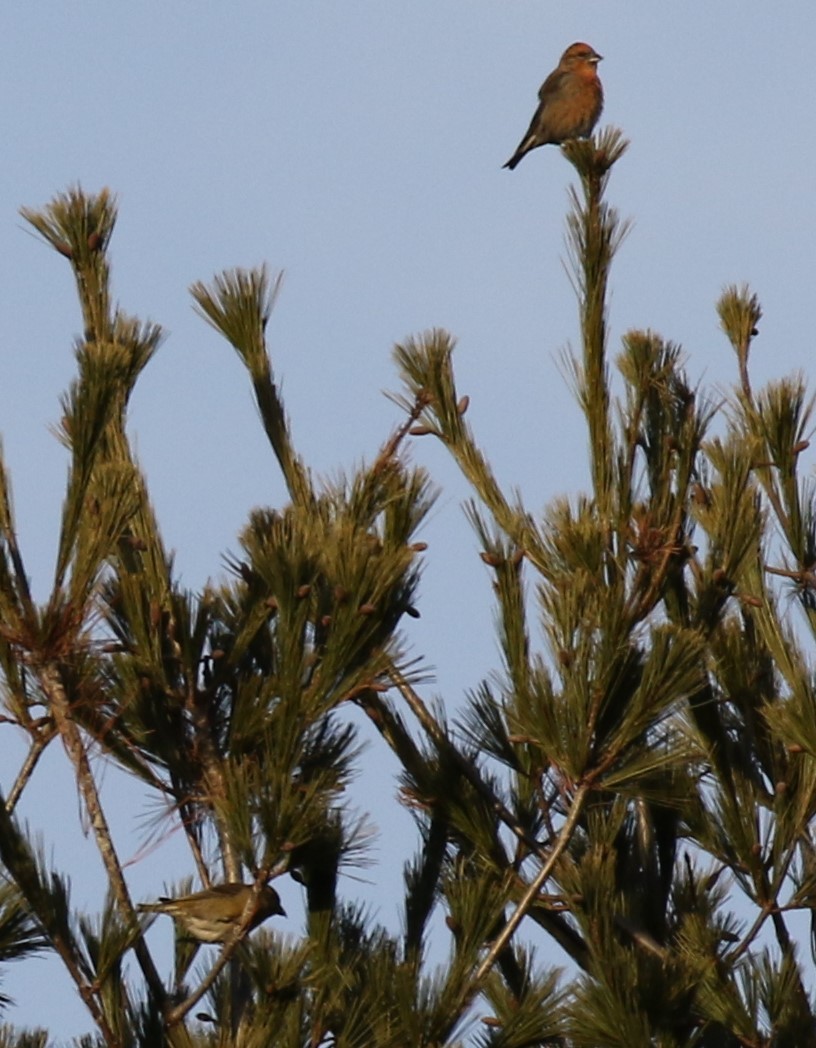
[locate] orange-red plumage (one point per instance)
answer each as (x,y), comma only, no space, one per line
(570,102)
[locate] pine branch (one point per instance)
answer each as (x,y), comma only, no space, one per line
(49,904)
(466,767)
(8,538)
(427,371)
(740,314)
(79,227)
(562,840)
(595,232)
(239,304)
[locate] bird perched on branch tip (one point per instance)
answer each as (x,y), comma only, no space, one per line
(214,915)
(570,102)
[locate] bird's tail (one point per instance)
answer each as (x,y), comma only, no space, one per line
(153,907)
(525,145)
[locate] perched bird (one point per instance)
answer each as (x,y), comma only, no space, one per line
(214,914)
(570,102)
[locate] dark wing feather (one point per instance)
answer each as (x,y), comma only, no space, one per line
(552,85)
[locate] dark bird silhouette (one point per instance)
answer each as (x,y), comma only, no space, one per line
(570,102)
(213,915)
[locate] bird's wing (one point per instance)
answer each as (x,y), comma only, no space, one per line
(552,85)
(532,131)
(228,890)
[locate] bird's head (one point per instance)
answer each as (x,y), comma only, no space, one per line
(269,903)
(578,55)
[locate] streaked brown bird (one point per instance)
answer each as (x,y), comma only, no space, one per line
(213,915)
(570,102)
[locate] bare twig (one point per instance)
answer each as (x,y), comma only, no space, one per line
(389,449)
(40,741)
(537,883)
(54,689)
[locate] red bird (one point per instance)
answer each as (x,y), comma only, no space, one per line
(570,102)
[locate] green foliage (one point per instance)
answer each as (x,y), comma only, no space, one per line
(635,783)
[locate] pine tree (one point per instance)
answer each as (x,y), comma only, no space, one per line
(637,787)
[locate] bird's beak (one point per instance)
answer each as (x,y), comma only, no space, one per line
(596,58)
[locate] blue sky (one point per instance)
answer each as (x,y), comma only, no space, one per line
(358,146)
